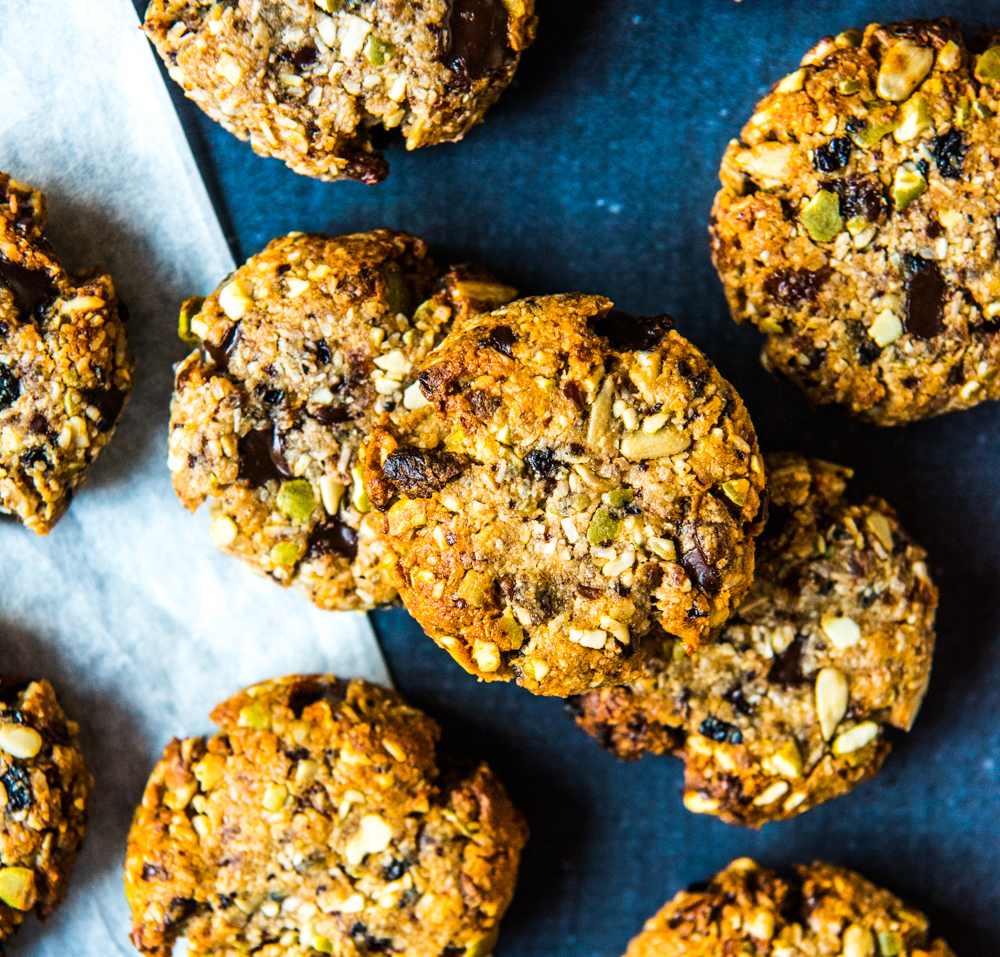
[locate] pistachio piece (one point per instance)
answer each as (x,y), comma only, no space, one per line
(472,589)
(903,69)
(963,112)
(372,836)
(889,943)
(886,328)
(821,216)
(603,527)
(359,497)
(378,52)
(849,87)
(618,497)
(254,716)
(736,491)
(988,66)
(913,119)
(638,446)
(831,700)
(19,741)
(866,135)
(321,944)
(841,630)
(856,738)
(189,310)
(284,553)
(515,633)
(483,946)
(909,184)
(851,37)
(950,56)
(209,771)
(17,887)
(858,942)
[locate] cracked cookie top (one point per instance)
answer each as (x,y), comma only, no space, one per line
(577,476)
(856,224)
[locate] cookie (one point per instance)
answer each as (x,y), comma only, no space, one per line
(320,819)
(44,798)
(787,709)
(65,367)
(855,222)
(813,909)
(577,475)
(318,84)
(299,351)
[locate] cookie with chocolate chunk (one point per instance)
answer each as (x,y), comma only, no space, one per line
(299,351)
(45,792)
(65,366)
(319,84)
(578,476)
(855,224)
(813,909)
(320,819)
(787,709)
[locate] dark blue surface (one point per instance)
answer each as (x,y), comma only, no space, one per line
(596,172)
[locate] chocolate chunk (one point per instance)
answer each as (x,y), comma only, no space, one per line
(834,155)
(109,402)
(626,332)
(925,292)
(333,538)
(323,352)
(787,667)
(394,870)
(261,459)
(222,352)
(792,286)
(10,388)
(309,689)
(705,574)
(572,392)
(483,403)
(588,591)
(861,196)
(719,730)
(477,37)
(39,425)
(868,350)
(331,414)
(31,288)
(226,901)
(421,472)
(179,910)
(502,339)
(304,56)
(32,458)
(542,462)
(17,783)
(154,872)
(949,153)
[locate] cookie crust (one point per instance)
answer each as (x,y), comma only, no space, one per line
(855,222)
(815,909)
(788,707)
(45,788)
(65,367)
(577,476)
(312,83)
(320,819)
(300,350)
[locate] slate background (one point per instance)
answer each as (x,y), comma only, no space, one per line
(596,171)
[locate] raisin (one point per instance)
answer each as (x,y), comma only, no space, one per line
(332,414)
(17,783)
(834,155)
(868,350)
(705,574)
(33,458)
(792,286)
(226,901)
(861,196)
(718,730)
(323,352)
(304,56)
(628,333)
(394,870)
(483,404)
(10,388)
(332,538)
(309,689)
(572,392)
(542,462)
(154,872)
(421,472)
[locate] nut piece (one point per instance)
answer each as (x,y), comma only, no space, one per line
(903,70)
(886,328)
(858,942)
(821,216)
(856,738)
(909,184)
(19,741)
(831,700)
(988,66)
(842,631)
(17,887)
(638,446)
(373,835)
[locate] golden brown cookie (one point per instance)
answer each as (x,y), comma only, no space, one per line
(45,800)
(315,83)
(787,708)
(65,367)
(299,352)
(855,224)
(577,476)
(815,909)
(320,820)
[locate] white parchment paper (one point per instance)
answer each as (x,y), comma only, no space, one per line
(126,607)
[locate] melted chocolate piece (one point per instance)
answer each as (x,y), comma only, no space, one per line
(787,667)
(502,339)
(791,286)
(261,459)
(309,689)
(626,332)
(421,472)
(333,538)
(477,32)
(11,687)
(109,402)
(925,292)
(31,288)
(704,573)
(220,353)
(10,388)
(331,414)
(33,458)
(834,155)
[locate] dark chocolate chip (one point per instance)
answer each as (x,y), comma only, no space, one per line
(39,424)
(124,313)
(542,462)
(179,910)
(323,352)
(33,458)
(394,870)
(109,402)
(31,288)
(792,286)
(787,667)
(365,167)
(304,56)
(222,352)
(572,392)
(502,339)
(925,292)
(705,574)
(834,155)
(261,459)
(738,700)
(626,332)
(333,538)
(477,37)
(421,472)
(10,388)
(718,730)
(17,783)
(309,689)
(868,350)
(331,414)
(226,901)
